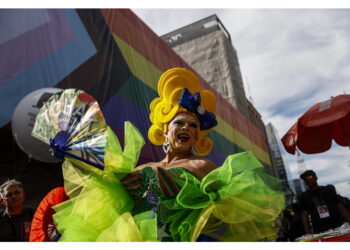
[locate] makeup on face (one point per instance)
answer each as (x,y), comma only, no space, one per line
(183,128)
(185,134)
(179,121)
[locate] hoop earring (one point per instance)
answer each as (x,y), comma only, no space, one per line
(166,145)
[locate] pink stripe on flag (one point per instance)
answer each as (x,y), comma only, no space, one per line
(26,49)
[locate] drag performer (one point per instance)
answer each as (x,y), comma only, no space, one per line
(184,197)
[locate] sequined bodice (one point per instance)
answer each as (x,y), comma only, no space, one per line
(148,188)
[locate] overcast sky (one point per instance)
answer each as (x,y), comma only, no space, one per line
(292,59)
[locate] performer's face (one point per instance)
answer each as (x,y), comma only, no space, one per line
(182,132)
(13,197)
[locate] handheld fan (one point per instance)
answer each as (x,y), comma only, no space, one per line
(72,123)
(43,227)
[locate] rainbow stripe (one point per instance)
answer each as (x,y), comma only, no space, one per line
(40,56)
(112,55)
(148,57)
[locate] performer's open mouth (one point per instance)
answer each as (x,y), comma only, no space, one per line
(183,137)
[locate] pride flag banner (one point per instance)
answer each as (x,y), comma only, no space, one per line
(115,57)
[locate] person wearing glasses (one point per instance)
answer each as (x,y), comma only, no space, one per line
(15,219)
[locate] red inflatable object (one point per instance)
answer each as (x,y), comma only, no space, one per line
(43,228)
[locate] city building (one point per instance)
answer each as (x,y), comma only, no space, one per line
(280,164)
(206,46)
(298,187)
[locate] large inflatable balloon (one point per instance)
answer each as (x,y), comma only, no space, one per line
(23,120)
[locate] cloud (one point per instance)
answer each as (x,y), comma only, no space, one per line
(289,48)
(332,167)
(294,59)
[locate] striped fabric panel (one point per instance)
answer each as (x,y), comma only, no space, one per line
(103,81)
(142,39)
(132,182)
(49,67)
(226,138)
(31,42)
(149,74)
(160,57)
(148,56)
(168,187)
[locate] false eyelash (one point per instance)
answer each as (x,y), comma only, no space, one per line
(178,122)
(194,125)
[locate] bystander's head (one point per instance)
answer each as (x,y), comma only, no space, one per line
(12,196)
(310,178)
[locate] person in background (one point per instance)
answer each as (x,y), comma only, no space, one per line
(285,227)
(297,229)
(15,219)
(322,205)
(344,200)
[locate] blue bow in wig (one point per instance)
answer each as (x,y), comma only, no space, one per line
(192,103)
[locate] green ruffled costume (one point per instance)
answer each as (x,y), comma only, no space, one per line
(231,203)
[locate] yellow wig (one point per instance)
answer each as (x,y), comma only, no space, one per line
(165,107)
